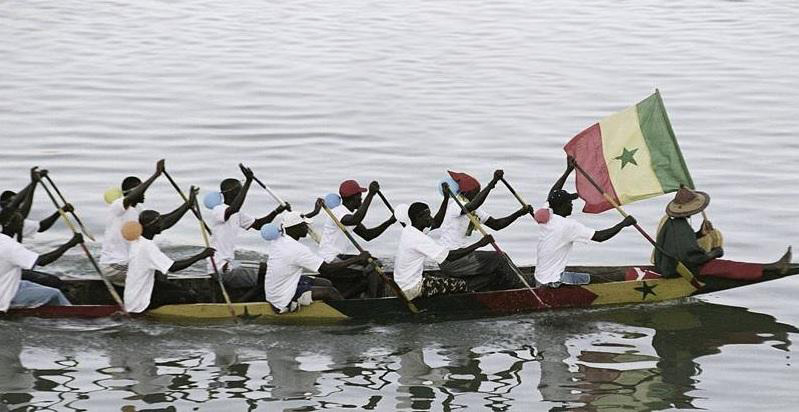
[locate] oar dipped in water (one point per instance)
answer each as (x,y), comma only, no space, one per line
(75,215)
(332,201)
(203,228)
(681,268)
(105,280)
(479,227)
(315,236)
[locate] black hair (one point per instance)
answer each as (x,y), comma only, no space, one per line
(7,195)
(148,217)
(130,183)
(229,184)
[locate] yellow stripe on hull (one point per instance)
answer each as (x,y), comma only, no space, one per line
(645,290)
(256,311)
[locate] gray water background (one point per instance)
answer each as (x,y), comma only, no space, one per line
(311,93)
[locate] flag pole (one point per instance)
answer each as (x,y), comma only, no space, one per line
(681,268)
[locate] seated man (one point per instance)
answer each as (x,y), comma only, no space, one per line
(31,227)
(558,234)
(415,246)
(482,270)
(143,290)
(18,293)
(334,247)
(679,241)
(114,255)
(285,288)
(227,222)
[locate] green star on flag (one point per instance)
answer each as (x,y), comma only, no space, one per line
(627,157)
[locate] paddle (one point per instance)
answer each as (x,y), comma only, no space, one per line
(387,280)
(315,236)
(77,219)
(516,195)
(681,268)
(388,205)
(185,199)
(203,228)
(105,280)
(479,227)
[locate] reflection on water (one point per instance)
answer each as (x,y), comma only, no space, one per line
(643,359)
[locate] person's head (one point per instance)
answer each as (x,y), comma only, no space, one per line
(561,202)
(128,184)
(468,185)
(687,202)
(230,188)
(419,214)
(295,225)
(7,197)
(351,194)
(13,224)
(150,221)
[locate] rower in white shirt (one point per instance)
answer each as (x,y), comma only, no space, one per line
(227,222)
(114,255)
(285,287)
(415,247)
(143,290)
(483,270)
(14,258)
(352,280)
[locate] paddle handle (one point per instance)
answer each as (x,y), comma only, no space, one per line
(205,230)
(75,215)
(516,195)
(479,227)
(681,268)
(387,280)
(105,280)
(219,281)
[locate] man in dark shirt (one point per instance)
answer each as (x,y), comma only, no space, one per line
(678,240)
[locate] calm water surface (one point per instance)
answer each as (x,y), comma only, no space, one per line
(309,93)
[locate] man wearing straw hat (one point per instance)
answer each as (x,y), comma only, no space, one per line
(678,240)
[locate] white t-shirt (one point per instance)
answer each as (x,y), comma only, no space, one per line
(414,247)
(115,247)
(13,258)
(557,238)
(287,259)
(453,228)
(145,259)
(29,229)
(334,242)
(226,234)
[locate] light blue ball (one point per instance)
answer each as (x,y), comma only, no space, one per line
(270,231)
(453,185)
(212,200)
(332,200)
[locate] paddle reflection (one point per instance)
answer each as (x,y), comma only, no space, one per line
(642,359)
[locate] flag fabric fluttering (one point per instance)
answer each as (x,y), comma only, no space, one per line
(632,155)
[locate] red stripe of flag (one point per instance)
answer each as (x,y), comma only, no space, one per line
(586,149)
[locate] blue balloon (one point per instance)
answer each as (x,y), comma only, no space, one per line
(212,200)
(270,231)
(453,185)
(332,200)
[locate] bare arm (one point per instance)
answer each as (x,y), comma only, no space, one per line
(183,264)
(356,218)
(603,235)
(438,219)
(481,197)
(503,222)
(269,218)
(51,257)
(459,253)
(369,234)
(235,205)
(562,180)
(139,190)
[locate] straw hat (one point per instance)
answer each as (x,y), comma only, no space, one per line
(687,202)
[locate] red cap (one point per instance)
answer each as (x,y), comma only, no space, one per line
(349,188)
(466,183)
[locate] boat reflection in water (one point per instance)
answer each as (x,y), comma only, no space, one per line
(645,358)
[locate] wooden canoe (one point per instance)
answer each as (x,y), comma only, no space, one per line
(608,287)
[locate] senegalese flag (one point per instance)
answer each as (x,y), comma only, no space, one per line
(632,155)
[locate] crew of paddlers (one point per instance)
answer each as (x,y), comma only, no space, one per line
(134,264)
